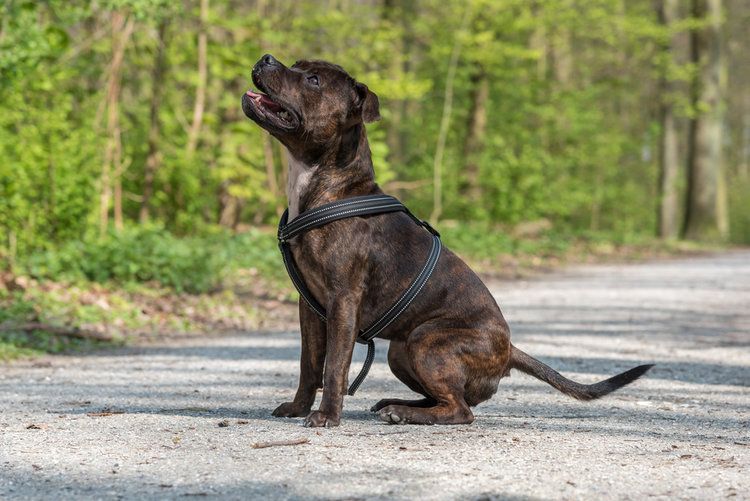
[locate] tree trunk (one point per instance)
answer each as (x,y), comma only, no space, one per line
(744,163)
(200,92)
(669,146)
(562,57)
(230,207)
(707,214)
(393,133)
(396,12)
(112,166)
(477,128)
(50,199)
(437,164)
(154,155)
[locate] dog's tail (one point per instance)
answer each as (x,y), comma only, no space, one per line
(533,367)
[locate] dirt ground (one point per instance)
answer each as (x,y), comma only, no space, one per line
(184,418)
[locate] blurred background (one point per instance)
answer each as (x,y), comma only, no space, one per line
(135,195)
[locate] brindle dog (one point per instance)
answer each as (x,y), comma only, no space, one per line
(452,345)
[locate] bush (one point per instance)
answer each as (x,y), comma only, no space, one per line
(484,241)
(258,250)
(136,255)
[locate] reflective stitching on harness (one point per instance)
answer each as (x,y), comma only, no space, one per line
(343,204)
(303,295)
(405,294)
(291,230)
(305,216)
(439,245)
(431,263)
(350,211)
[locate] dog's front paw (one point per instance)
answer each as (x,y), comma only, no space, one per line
(318,419)
(291,409)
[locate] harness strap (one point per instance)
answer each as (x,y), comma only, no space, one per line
(341,209)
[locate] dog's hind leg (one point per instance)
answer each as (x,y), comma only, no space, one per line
(398,361)
(438,370)
(422,402)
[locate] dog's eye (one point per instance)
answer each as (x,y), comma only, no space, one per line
(313,80)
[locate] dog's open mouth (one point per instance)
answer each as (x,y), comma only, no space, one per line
(271,111)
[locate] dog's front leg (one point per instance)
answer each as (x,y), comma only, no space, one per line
(311,362)
(342,324)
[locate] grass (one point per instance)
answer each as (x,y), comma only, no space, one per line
(13,348)
(18,344)
(37,306)
(120,313)
(164,284)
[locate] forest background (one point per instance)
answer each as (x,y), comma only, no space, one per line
(136,197)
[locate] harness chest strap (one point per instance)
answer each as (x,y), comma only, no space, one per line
(341,209)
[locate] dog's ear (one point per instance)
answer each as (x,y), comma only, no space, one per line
(368,102)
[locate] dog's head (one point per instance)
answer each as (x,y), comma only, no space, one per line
(309,104)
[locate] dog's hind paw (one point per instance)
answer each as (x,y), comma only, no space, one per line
(391,415)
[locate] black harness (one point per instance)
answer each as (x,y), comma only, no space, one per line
(367,205)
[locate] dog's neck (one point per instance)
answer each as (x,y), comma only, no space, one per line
(298,180)
(345,170)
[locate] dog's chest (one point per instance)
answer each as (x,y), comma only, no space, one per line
(299,178)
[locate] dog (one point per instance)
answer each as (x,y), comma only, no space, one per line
(452,345)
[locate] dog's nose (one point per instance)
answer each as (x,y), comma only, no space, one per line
(269,60)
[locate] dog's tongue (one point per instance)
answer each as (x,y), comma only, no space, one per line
(263,99)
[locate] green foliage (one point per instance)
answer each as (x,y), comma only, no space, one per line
(18,344)
(135,255)
(255,250)
(149,254)
(479,241)
(46,175)
(569,134)
(11,348)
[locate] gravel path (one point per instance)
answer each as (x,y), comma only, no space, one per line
(180,419)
